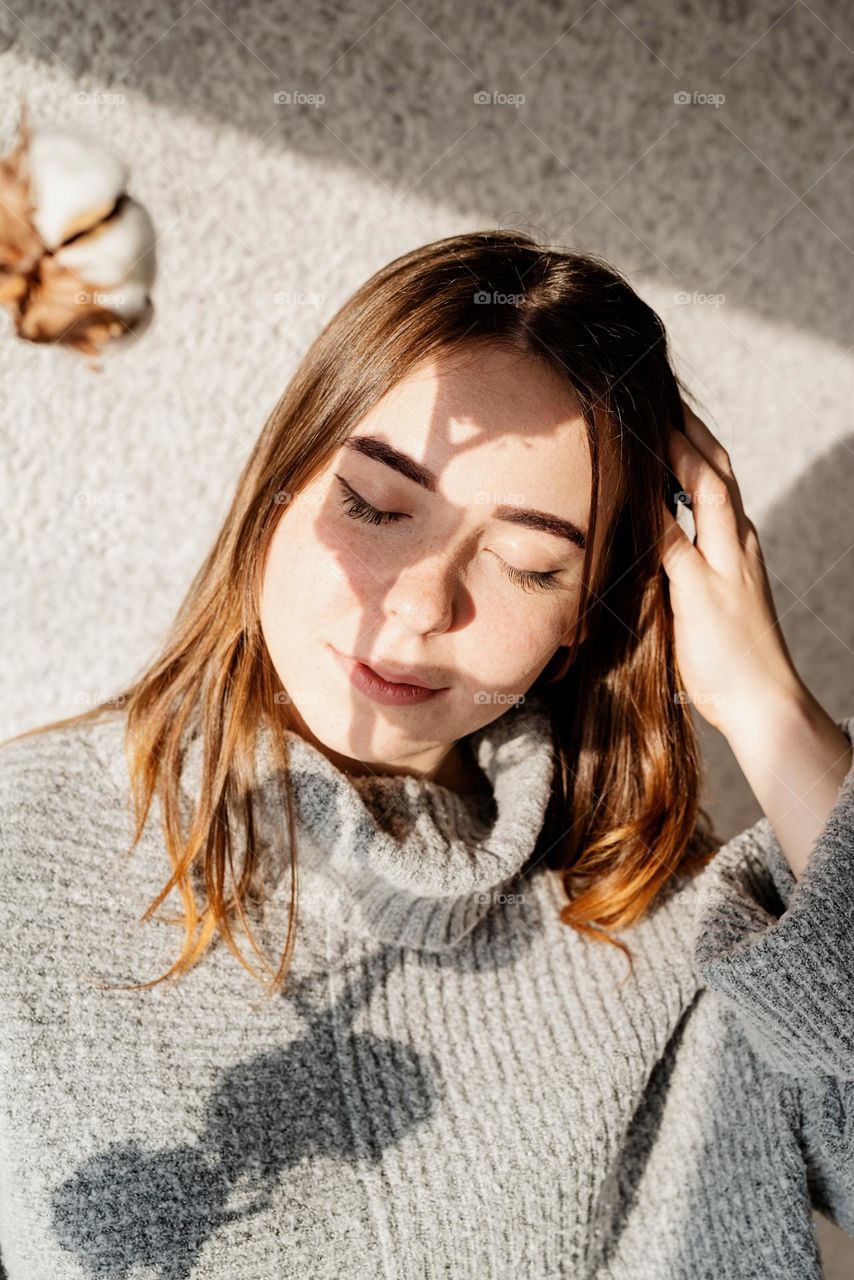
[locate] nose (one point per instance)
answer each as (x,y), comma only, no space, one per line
(421,596)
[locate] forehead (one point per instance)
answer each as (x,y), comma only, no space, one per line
(490,408)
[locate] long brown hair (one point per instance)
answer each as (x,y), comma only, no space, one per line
(624,816)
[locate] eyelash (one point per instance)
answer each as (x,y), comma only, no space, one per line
(358,509)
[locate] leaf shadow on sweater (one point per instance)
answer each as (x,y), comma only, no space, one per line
(332,1093)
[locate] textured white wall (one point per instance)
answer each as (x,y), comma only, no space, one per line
(269,215)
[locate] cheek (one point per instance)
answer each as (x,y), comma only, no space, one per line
(310,569)
(515,641)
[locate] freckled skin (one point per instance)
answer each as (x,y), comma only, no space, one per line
(431,593)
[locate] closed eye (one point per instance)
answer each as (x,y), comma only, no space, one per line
(356,508)
(531,580)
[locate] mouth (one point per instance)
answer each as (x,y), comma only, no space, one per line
(391,676)
(383,684)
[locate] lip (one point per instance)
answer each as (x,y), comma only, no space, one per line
(380,687)
(392,676)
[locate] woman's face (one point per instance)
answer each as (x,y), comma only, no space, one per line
(442,592)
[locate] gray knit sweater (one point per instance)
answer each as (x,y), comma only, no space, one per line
(455,1084)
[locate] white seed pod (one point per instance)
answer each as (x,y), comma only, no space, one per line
(116,258)
(77,257)
(75,182)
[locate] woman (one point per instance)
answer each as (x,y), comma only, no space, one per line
(425,717)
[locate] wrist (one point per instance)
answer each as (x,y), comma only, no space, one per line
(780,713)
(795,757)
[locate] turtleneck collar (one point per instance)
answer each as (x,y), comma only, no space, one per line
(406,860)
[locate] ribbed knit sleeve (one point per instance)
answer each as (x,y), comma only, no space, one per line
(780,951)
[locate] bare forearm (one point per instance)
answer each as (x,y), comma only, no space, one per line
(795,758)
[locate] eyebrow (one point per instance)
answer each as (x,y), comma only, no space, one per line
(526,517)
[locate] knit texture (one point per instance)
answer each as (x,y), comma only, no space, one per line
(453,1082)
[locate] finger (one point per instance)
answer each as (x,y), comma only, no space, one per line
(702,437)
(700,434)
(715,518)
(678,554)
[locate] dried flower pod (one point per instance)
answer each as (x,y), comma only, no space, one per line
(77,257)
